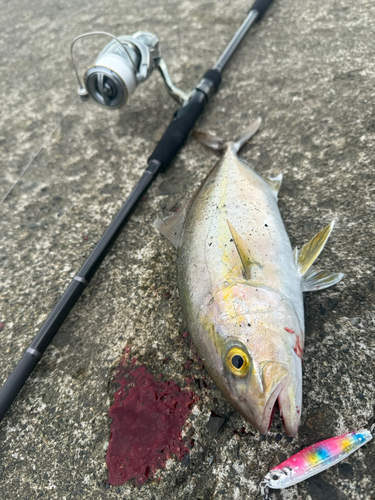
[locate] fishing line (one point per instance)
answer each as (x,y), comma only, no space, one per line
(39,150)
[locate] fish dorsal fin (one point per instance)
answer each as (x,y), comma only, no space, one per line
(275,183)
(315,279)
(310,251)
(171,226)
(247,261)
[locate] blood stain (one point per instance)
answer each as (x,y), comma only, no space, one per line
(289,330)
(148,415)
(297,348)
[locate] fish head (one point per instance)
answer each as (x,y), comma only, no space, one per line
(261,365)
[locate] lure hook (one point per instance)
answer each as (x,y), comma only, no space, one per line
(264,490)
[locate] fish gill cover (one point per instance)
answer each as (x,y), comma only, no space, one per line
(148,415)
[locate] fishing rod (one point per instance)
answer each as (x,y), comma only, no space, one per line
(122,65)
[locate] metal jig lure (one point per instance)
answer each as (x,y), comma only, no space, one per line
(314,459)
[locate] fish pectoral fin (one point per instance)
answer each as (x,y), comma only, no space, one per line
(317,279)
(171,226)
(275,183)
(247,261)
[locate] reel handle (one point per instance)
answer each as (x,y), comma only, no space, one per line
(184,120)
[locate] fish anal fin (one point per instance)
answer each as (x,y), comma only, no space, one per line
(317,279)
(247,261)
(275,183)
(171,226)
(306,256)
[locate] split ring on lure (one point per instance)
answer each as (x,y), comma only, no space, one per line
(314,459)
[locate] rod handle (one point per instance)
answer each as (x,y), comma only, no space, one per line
(184,120)
(261,6)
(17,379)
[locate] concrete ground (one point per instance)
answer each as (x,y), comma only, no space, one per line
(309,70)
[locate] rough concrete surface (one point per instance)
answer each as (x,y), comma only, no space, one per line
(309,70)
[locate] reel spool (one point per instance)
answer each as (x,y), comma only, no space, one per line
(122,65)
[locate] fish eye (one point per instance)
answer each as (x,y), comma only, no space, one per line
(238,361)
(275,477)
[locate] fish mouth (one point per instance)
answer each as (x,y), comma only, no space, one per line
(290,411)
(275,387)
(281,392)
(281,400)
(270,409)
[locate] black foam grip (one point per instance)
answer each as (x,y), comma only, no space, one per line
(178,130)
(183,122)
(261,6)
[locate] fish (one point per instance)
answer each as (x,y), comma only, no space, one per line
(315,459)
(241,286)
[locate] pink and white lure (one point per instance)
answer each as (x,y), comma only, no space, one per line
(315,459)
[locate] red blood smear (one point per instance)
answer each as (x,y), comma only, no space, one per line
(148,415)
(297,348)
(289,330)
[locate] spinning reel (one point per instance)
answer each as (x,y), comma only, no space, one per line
(123,64)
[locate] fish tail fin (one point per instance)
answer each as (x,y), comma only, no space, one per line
(315,279)
(247,134)
(219,144)
(216,143)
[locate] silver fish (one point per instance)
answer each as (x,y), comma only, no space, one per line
(241,286)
